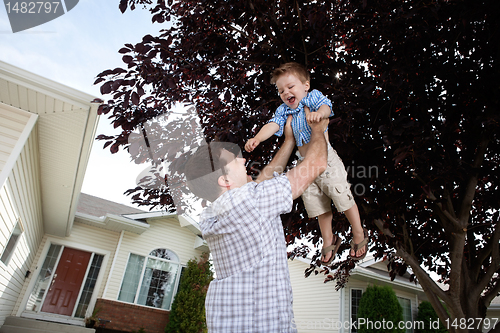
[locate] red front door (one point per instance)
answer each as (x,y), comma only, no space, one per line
(66,283)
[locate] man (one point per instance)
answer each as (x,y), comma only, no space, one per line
(252,290)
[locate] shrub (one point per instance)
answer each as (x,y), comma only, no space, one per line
(380,309)
(429,317)
(188,309)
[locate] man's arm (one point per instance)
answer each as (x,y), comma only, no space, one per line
(314,163)
(280,160)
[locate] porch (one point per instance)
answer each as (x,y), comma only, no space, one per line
(27,325)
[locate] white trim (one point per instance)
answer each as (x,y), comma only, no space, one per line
(359,271)
(21,141)
(105,222)
(117,251)
(45,86)
(149,215)
(83,159)
(342,309)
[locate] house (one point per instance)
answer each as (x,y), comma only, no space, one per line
(148,252)
(318,307)
(65,255)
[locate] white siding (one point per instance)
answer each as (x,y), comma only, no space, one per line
(20,200)
(163,233)
(315,304)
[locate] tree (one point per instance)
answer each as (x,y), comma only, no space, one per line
(417,122)
(188,308)
(379,311)
(428,316)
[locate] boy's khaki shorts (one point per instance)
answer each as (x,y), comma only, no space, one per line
(330,185)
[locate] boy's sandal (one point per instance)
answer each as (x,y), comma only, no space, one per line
(356,247)
(333,248)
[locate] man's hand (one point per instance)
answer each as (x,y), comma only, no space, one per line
(251,144)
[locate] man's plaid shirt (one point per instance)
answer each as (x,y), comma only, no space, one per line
(301,130)
(252,291)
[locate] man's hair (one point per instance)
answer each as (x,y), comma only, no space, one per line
(290,67)
(204,167)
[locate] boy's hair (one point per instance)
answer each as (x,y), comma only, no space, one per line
(290,67)
(204,167)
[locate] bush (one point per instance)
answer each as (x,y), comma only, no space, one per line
(429,317)
(188,309)
(381,311)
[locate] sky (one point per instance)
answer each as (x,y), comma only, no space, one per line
(72,49)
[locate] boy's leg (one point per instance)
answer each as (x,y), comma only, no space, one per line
(325,226)
(352,215)
(318,204)
(334,183)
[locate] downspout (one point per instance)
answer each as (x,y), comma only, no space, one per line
(113,263)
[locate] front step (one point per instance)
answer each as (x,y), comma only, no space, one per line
(26,325)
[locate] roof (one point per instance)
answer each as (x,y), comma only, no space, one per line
(375,271)
(91,205)
(65,126)
(116,217)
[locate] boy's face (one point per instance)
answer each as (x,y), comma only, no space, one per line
(291,89)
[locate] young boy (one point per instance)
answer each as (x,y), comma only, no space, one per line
(293,83)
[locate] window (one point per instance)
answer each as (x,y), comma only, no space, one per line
(43,279)
(407,317)
(152,280)
(355,298)
(11,244)
(88,287)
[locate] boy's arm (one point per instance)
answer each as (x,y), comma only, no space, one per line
(280,160)
(315,117)
(318,102)
(265,133)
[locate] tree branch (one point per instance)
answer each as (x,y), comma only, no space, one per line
(301,29)
(431,289)
(482,256)
(447,215)
(269,33)
(470,190)
(494,266)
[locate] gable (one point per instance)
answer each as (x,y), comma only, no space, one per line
(66,121)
